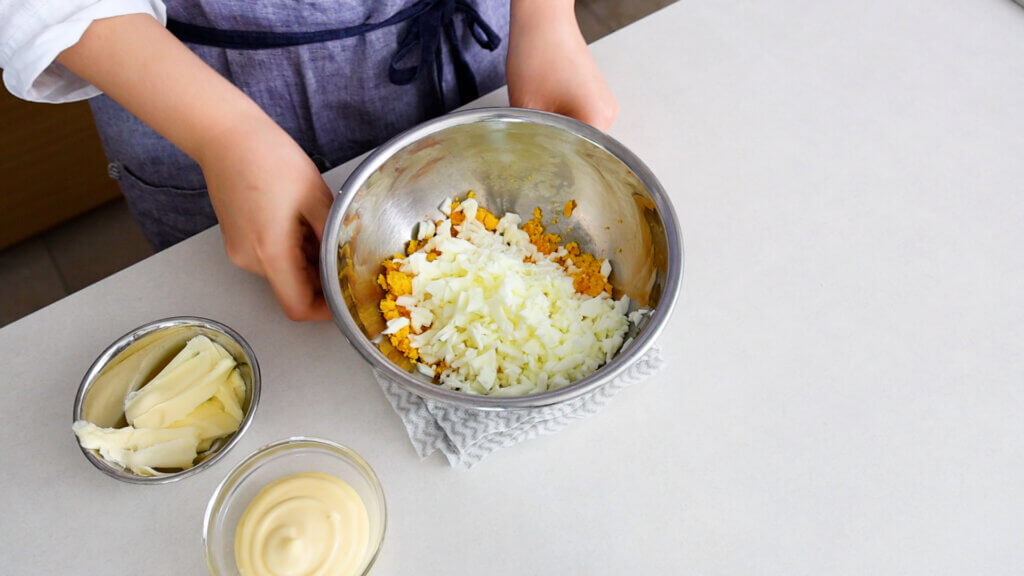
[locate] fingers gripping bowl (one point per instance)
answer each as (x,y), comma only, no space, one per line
(514,160)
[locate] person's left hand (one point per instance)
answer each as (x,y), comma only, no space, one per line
(550,68)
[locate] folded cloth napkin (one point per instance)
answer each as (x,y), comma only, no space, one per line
(466,435)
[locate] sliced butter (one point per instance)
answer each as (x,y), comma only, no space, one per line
(194,400)
(187,367)
(196,346)
(211,421)
(231,393)
(105,403)
(141,450)
(180,392)
(180,453)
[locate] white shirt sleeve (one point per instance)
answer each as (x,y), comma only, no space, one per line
(34,32)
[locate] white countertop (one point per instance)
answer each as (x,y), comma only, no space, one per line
(847,356)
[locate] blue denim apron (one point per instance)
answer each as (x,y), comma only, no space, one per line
(340,76)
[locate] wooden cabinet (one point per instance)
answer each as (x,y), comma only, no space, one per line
(52,166)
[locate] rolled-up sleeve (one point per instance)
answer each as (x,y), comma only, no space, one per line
(34,32)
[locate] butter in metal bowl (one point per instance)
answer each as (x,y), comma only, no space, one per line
(169,418)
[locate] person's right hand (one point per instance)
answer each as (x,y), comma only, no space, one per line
(272,205)
(271,201)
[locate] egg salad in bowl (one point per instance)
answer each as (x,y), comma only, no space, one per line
(486,306)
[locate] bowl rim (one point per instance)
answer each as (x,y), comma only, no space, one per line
(286,445)
(120,345)
(391,371)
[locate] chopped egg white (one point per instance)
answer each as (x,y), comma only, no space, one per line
(446,207)
(425,230)
(504,318)
(396,325)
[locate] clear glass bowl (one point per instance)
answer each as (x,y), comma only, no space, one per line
(277,460)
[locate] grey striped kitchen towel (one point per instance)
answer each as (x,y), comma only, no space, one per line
(466,436)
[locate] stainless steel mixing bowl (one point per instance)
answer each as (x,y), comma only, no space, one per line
(514,160)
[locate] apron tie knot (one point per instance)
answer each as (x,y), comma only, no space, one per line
(431,18)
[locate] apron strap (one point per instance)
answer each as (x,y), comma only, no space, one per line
(428,20)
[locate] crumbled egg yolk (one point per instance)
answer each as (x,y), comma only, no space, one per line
(589,275)
(490,221)
(396,284)
(489,308)
(534,228)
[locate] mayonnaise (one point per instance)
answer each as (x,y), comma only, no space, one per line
(307,524)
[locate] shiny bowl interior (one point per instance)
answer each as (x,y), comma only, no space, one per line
(275,461)
(514,160)
(101,402)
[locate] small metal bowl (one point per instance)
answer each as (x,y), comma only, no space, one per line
(514,160)
(101,401)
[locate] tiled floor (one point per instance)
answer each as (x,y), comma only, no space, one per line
(69,257)
(66,259)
